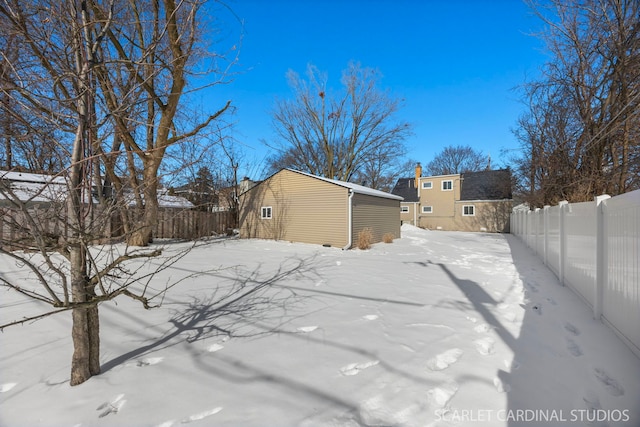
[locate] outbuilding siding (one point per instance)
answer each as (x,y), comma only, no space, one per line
(304,210)
(381,215)
(311,209)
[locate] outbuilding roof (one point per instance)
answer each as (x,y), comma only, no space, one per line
(359,189)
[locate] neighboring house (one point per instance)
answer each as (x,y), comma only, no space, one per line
(472,201)
(33,188)
(300,207)
(229,195)
(44,189)
(214,200)
(168,201)
(45,197)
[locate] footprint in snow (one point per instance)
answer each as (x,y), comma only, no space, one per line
(593,406)
(444,360)
(552,301)
(485,346)
(482,328)
(511,365)
(440,396)
(112,407)
(536,308)
(574,348)
(6,387)
(611,385)
(501,386)
(571,329)
(149,361)
(214,347)
(355,368)
(202,415)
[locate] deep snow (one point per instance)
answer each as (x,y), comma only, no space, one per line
(436,328)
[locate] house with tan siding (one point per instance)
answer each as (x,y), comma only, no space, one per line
(299,207)
(471,201)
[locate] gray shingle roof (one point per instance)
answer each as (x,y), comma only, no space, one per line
(405,187)
(486,185)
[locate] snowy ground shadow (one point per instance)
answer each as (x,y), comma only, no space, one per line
(557,373)
(560,370)
(237,298)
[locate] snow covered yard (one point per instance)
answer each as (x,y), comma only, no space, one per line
(436,328)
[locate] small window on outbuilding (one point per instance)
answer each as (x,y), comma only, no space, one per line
(265,212)
(447,185)
(427,185)
(427,209)
(468,210)
(404,209)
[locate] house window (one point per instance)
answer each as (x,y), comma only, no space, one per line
(265,212)
(468,210)
(427,185)
(427,209)
(447,185)
(404,209)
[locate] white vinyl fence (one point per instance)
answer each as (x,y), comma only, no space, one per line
(594,248)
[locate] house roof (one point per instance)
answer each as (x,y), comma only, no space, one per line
(35,187)
(359,189)
(486,185)
(32,187)
(405,188)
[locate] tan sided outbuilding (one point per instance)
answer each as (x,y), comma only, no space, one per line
(299,207)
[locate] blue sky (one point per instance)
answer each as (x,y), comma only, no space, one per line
(455,63)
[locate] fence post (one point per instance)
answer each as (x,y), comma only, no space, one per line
(601,254)
(562,262)
(536,221)
(545,243)
(529,227)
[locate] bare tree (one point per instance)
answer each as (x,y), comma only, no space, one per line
(154,51)
(457,159)
(75,59)
(580,136)
(335,135)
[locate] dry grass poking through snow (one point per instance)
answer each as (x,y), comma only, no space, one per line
(365,236)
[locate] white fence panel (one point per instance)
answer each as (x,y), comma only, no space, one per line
(580,268)
(621,290)
(539,221)
(594,248)
(553,239)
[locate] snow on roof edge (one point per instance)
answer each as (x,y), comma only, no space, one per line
(360,189)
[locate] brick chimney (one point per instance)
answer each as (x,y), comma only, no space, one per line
(418,174)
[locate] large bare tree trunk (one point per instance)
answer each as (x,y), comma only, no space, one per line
(85,332)
(143,234)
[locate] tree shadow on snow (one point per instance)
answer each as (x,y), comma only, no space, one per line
(237,300)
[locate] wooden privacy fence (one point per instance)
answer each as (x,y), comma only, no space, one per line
(191,224)
(594,248)
(15,229)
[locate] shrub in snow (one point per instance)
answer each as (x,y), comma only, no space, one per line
(364,238)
